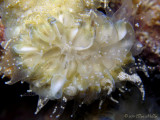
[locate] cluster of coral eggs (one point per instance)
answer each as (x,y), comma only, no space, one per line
(64,47)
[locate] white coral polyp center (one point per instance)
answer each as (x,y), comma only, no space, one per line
(73,58)
(68,53)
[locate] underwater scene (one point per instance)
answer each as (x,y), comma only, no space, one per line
(80,59)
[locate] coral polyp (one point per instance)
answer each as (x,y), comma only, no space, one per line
(66,48)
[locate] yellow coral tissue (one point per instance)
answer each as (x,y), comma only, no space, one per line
(66,48)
